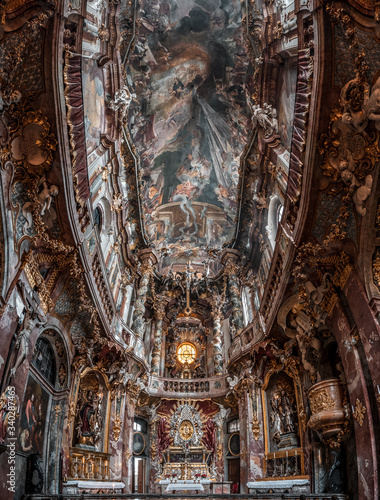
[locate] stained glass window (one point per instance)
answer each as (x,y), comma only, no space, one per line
(186,353)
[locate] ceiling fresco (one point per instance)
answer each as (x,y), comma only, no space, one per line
(189,121)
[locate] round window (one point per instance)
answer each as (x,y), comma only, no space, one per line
(186,353)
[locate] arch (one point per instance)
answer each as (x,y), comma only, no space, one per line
(59,346)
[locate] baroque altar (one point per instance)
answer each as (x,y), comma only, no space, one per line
(186,463)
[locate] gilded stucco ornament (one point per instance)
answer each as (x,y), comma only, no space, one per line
(350,149)
(255,427)
(186,426)
(359,413)
(31,145)
(117,424)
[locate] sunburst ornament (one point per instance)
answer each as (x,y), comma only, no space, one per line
(186,426)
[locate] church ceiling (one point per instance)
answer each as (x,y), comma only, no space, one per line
(189,121)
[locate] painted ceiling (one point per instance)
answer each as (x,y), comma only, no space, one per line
(189,122)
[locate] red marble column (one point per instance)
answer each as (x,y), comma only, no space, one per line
(367,454)
(368,329)
(244,441)
(256,448)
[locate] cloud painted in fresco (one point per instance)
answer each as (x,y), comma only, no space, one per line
(191,120)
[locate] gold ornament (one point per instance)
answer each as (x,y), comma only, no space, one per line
(186,430)
(117,428)
(360,411)
(321,401)
(255,427)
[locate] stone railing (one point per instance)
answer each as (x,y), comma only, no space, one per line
(186,386)
(213,386)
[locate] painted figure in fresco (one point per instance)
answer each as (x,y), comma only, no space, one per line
(183,195)
(25,441)
(38,429)
(31,320)
(191,116)
(33,417)
(30,416)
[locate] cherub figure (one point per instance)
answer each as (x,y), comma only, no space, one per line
(46,196)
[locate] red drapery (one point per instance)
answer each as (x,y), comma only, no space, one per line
(163,439)
(209,435)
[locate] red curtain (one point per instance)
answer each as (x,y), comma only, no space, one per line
(163,438)
(209,435)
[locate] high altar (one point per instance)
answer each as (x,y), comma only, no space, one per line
(186,463)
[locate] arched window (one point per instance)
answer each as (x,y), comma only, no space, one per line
(247,306)
(44,359)
(274,218)
(98,218)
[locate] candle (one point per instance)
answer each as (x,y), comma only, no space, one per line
(296,452)
(286,453)
(274,455)
(378,389)
(353,409)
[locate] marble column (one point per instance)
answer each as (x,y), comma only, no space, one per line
(348,340)
(230,260)
(217,341)
(156,354)
(127,440)
(220,420)
(244,440)
(148,259)
(255,435)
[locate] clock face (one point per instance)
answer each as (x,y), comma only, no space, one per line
(186,430)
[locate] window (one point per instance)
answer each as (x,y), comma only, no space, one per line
(44,360)
(247,306)
(233,426)
(274,218)
(186,353)
(280,211)
(98,218)
(139,425)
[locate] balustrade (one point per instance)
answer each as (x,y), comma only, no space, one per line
(186,386)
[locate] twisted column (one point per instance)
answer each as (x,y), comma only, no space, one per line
(156,353)
(148,259)
(217,340)
(231,269)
